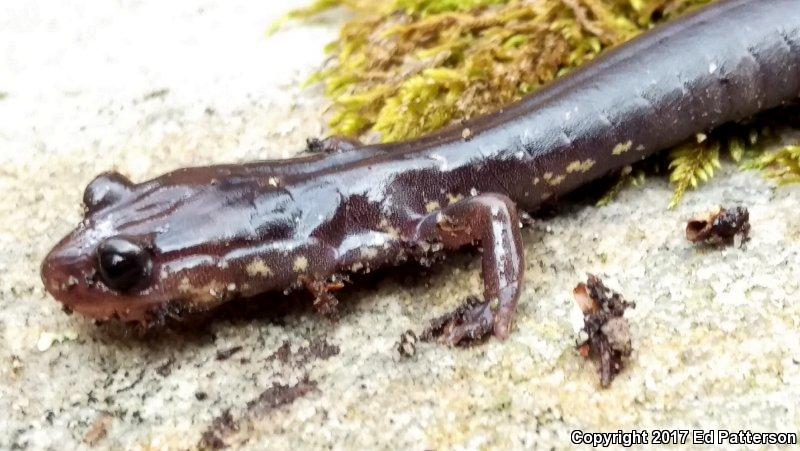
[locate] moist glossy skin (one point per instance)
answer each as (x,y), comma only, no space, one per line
(206,235)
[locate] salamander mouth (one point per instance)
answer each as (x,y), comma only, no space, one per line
(175,311)
(76,284)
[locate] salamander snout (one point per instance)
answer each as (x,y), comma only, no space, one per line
(102,279)
(65,272)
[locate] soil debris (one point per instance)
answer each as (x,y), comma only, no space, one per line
(407,346)
(165,369)
(221,427)
(720,226)
(282,354)
(225,354)
(606,334)
(279,395)
(98,430)
(317,349)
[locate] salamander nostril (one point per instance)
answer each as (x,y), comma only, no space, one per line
(122,264)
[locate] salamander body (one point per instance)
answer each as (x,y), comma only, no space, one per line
(198,237)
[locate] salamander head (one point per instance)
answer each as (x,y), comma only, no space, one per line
(180,243)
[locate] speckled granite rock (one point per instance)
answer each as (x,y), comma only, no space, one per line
(144,87)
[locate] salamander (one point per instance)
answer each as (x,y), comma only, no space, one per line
(195,238)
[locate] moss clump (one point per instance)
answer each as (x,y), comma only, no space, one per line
(407,67)
(782,165)
(403,68)
(753,145)
(627,177)
(692,164)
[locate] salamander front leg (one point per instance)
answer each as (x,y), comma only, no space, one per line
(331,144)
(489,220)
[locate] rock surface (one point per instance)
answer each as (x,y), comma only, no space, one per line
(144,87)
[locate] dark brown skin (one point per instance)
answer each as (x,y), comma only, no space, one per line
(195,238)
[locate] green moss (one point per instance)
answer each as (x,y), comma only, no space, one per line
(321,6)
(403,68)
(782,165)
(627,177)
(752,146)
(426,7)
(692,164)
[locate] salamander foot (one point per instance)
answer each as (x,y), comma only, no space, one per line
(331,144)
(490,220)
(469,324)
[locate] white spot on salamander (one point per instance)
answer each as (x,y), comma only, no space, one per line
(258,268)
(369,253)
(385,226)
(453,198)
(553,179)
(300,264)
(185,286)
(622,148)
(430,207)
(556,180)
(578,166)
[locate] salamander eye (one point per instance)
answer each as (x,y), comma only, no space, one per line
(122,264)
(106,189)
